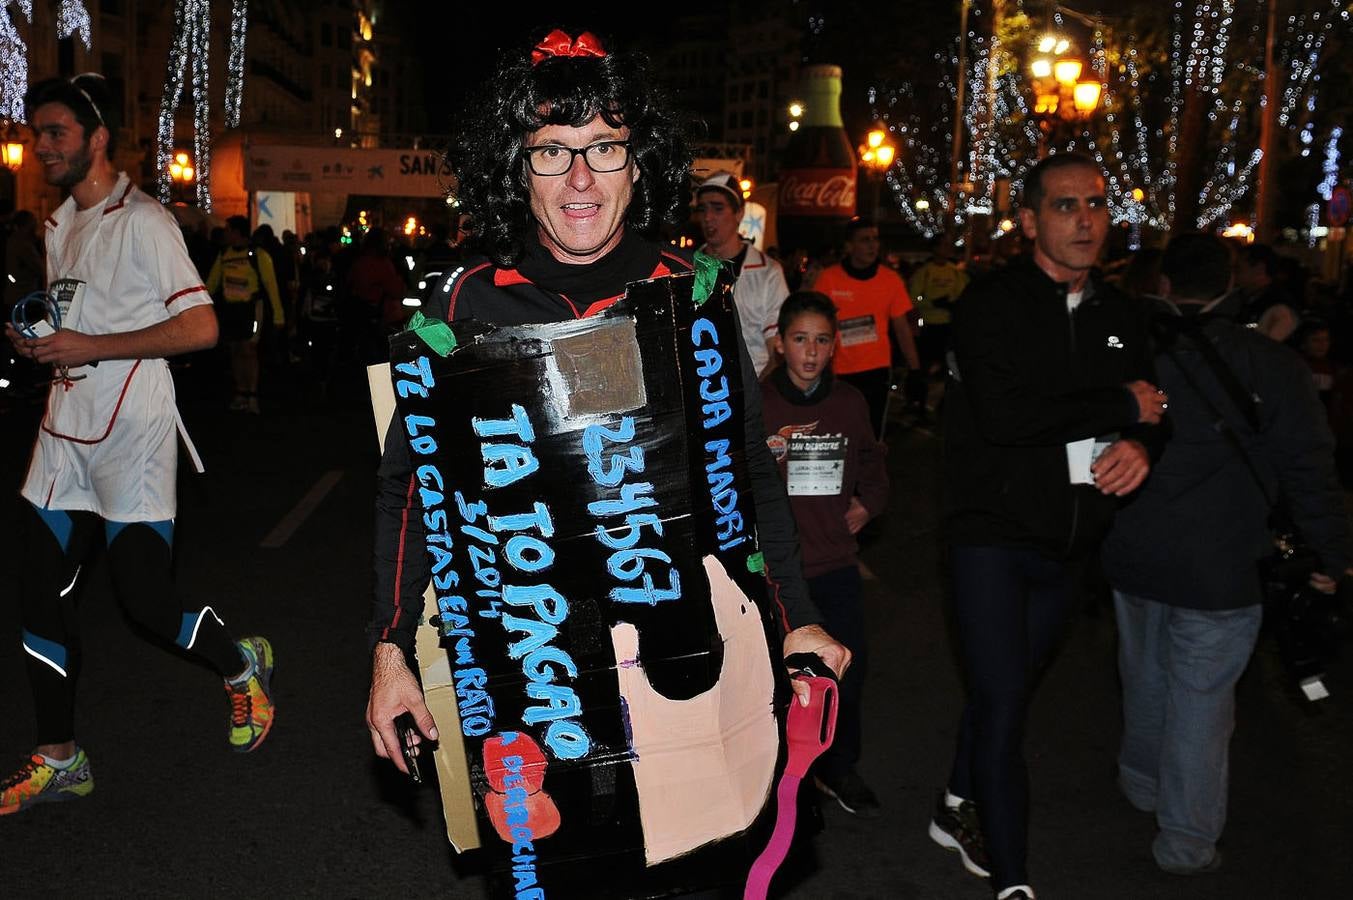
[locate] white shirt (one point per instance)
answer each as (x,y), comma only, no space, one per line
(108,441)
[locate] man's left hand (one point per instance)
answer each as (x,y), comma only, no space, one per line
(66,348)
(814,639)
(1121,468)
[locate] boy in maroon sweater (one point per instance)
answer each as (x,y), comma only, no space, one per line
(820,434)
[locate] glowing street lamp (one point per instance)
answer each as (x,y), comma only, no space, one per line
(181,169)
(877,155)
(1067,71)
(11,146)
(11,153)
(1059,93)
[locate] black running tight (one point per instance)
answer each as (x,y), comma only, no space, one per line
(1011,607)
(57,546)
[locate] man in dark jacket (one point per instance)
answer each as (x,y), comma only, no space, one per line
(1181,556)
(1048,417)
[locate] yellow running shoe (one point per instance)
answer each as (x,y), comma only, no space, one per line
(40,782)
(251,708)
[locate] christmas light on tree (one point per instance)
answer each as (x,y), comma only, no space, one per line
(1208,59)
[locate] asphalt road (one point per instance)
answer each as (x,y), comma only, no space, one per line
(277,535)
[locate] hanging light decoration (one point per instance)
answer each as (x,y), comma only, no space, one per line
(191,21)
(239,19)
(192,36)
(72,17)
(13,61)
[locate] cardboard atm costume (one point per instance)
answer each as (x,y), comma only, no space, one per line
(598,629)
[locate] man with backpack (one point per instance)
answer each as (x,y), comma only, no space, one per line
(241,280)
(1247,429)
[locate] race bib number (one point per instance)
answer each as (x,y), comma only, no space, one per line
(859,330)
(816,466)
(68,294)
(1081,455)
(236,288)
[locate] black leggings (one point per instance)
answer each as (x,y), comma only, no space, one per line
(875,385)
(1011,608)
(56,545)
(837,596)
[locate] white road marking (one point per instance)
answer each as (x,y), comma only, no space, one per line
(284,529)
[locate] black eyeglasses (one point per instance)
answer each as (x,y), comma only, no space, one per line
(556,159)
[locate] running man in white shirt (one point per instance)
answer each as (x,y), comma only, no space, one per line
(122,295)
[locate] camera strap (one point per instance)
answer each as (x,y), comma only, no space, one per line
(1243,399)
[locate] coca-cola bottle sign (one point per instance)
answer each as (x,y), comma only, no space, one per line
(828,193)
(816,194)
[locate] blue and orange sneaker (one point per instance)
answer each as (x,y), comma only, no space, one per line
(41,782)
(251,707)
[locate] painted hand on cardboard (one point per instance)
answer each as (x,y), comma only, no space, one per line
(394,690)
(814,639)
(703,766)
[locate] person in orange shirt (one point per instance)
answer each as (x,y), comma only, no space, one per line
(869,298)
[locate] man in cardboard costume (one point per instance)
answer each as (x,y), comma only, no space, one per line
(569,161)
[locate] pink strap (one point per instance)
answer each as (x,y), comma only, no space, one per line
(809,731)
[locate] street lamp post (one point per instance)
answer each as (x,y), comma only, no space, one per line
(876,156)
(1060,95)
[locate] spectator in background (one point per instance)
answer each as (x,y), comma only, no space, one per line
(244,287)
(935,287)
(872,305)
(24,263)
(375,297)
(1140,278)
(760,281)
(274,341)
(202,250)
(1313,341)
(1182,555)
(1268,305)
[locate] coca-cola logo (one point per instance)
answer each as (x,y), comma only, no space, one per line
(821,192)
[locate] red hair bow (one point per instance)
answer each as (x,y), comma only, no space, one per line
(558,43)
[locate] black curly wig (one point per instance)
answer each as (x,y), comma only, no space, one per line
(486,154)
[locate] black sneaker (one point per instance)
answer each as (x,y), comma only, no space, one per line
(958,829)
(851,792)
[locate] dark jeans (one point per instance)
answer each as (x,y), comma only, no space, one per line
(1011,608)
(837,596)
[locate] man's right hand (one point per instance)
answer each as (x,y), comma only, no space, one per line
(394,691)
(1151,403)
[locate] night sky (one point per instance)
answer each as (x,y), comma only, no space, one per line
(461,49)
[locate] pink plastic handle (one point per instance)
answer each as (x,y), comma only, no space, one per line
(809,730)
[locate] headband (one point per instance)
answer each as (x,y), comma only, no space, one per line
(558,43)
(88,99)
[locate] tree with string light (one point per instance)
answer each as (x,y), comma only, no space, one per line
(1178,131)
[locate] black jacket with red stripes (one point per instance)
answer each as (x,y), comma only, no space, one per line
(539,290)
